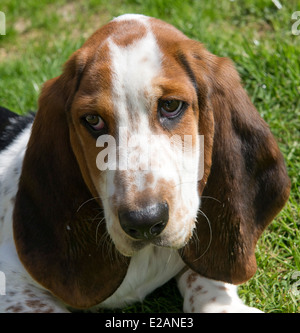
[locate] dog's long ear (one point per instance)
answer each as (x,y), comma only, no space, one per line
(59,231)
(247,185)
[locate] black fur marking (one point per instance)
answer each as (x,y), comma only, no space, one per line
(187,68)
(11,125)
(200,92)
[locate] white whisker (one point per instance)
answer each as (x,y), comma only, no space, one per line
(210,235)
(95,198)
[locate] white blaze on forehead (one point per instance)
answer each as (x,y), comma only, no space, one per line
(133,69)
(127,17)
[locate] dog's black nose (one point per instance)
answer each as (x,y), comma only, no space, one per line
(146,223)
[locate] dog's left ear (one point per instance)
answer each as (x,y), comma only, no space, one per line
(59,229)
(247,182)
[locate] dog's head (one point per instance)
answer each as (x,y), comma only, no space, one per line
(145,138)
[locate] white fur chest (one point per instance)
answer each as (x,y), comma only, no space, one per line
(149,269)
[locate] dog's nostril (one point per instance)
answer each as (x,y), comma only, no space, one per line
(132,232)
(146,223)
(157,228)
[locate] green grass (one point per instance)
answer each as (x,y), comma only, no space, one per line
(42,34)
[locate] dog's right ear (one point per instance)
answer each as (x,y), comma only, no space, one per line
(248,182)
(60,233)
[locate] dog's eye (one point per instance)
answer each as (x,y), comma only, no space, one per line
(95,122)
(170,108)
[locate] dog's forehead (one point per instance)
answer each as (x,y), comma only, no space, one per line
(126,29)
(130,57)
(135,60)
(127,55)
(135,63)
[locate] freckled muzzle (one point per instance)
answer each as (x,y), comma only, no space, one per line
(146,223)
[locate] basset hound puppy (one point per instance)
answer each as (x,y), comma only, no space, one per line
(82,228)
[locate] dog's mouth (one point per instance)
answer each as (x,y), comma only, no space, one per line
(132,247)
